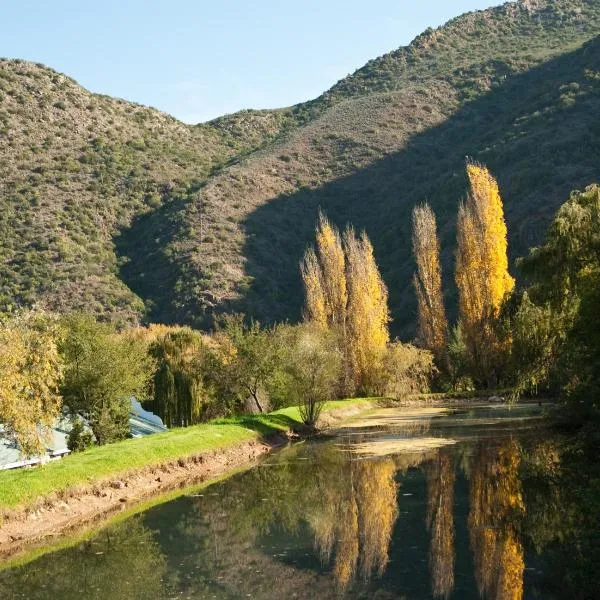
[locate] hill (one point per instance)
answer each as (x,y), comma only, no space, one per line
(76,167)
(124,209)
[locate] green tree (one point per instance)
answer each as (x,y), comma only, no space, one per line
(311,364)
(564,274)
(243,363)
(103,370)
(179,396)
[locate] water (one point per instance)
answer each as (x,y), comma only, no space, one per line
(480,503)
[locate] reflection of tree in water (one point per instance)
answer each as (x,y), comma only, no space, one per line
(496,510)
(440,523)
(121,563)
(353,525)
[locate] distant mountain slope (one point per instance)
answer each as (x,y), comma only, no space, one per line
(75,167)
(485,85)
(117,208)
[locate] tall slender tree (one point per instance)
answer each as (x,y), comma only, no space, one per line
(482,275)
(433,324)
(344,292)
(314,293)
(333,265)
(368,314)
(324,274)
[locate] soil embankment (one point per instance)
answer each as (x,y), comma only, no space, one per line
(59,513)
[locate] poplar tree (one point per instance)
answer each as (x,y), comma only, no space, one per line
(344,292)
(433,324)
(368,315)
(324,274)
(482,275)
(314,293)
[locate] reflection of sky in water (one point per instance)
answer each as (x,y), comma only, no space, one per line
(367,513)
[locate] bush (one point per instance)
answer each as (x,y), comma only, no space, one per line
(406,370)
(79,437)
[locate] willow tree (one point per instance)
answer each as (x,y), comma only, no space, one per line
(178,396)
(482,275)
(433,324)
(368,314)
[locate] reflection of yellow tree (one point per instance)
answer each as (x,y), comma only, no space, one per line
(496,506)
(440,522)
(354,525)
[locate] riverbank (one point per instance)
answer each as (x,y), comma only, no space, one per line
(52,499)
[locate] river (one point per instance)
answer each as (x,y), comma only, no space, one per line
(405,504)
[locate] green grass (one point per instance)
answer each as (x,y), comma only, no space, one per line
(20,488)
(29,554)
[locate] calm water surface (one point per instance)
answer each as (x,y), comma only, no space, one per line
(478,503)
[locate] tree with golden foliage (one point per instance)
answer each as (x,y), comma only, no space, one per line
(433,324)
(312,276)
(333,265)
(345,292)
(30,374)
(482,275)
(368,314)
(354,524)
(324,275)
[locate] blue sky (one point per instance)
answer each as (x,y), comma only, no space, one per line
(200,59)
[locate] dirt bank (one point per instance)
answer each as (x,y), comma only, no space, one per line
(60,513)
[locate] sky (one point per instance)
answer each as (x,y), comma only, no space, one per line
(199,59)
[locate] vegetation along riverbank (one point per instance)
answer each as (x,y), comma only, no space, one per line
(35,503)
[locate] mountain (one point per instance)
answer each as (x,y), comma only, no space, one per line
(120,209)
(76,168)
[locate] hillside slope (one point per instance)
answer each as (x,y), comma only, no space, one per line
(510,86)
(75,167)
(117,208)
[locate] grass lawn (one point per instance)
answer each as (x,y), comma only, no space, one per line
(21,487)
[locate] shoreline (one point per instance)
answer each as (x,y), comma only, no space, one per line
(50,516)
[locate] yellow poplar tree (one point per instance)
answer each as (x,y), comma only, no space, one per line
(333,265)
(440,523)
(496,507)
(482,275)
(324,275)
(353,526)
(368,315)
(345,292)
(433,324)
(314,294)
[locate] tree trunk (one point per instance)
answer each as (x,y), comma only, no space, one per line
(255,396)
